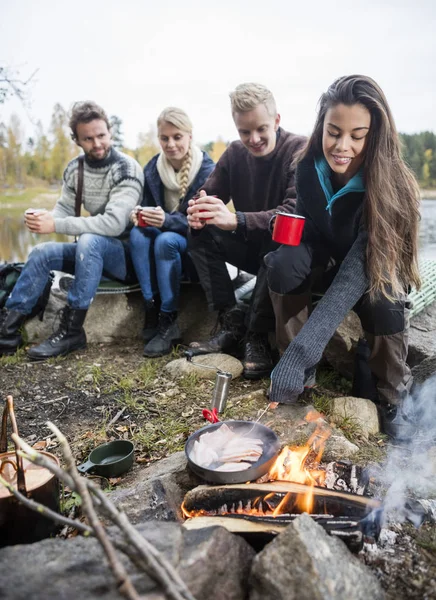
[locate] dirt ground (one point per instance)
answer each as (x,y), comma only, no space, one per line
(84,392)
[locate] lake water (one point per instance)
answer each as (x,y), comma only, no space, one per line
(16,241)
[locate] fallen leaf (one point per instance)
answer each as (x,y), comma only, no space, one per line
(114,480)
(40,445)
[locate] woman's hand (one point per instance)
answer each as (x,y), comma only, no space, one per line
(134,215)
(153,215)
(210,210)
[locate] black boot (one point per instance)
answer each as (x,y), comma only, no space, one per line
(10,336)
(226,336)
(258,362)
(151,320)
(398,422)
(70,336)
(168,335)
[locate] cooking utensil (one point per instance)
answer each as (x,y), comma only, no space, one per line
(221,387)
(19,524)
(110,459)
(211,415)
(271,447)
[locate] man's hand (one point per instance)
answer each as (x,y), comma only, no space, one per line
(210,210)
(41,222)
(154,216)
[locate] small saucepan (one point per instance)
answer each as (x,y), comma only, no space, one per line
(110,459)
(252,429)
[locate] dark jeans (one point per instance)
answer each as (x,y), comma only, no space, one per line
(210,249)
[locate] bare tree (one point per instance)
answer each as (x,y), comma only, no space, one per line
(11,84)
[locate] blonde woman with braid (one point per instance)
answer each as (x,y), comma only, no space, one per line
(171,178)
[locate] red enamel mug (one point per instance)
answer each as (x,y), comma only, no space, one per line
(288,229)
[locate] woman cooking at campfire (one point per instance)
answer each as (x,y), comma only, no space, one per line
(361,205)
(158,242)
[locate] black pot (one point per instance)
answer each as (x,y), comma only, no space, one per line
(271,447)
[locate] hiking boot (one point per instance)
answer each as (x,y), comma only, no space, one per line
(168,335)
(151,320)
(258,361)
(70,336)
(226,336)
(397,423)
(10,336)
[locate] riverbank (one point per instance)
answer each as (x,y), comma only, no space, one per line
(428,194)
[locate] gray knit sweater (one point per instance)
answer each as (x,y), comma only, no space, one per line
(111,188)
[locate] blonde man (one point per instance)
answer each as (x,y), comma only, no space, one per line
(255,172)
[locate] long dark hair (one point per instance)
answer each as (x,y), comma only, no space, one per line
(391,205)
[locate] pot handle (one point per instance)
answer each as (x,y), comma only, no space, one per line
(9,410)
(86,466)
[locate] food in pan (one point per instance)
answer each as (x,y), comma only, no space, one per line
(225,450)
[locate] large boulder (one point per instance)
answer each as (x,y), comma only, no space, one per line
(121,316)
(212,562)
(216,362)
(422,336)
(305,563)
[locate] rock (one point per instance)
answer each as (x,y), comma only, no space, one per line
(213,563)
(223,362)
(158,491)
(359,411)
(422,336)
(424,371)
(121,316)
(310,565)
(339,352)
(289,422)
(337,447)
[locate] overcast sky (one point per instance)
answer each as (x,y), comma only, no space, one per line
(134,57)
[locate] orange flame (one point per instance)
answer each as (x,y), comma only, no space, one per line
(292,464)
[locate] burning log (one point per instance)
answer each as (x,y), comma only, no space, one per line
(261,511)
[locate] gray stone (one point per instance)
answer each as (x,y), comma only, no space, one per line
(213,563)
(361,412)
(337,447)
(339,352)
(158,491)
(424,370)
(223,362)
(304,563)
(112,317)
(422,336)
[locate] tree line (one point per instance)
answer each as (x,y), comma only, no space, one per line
(42,157)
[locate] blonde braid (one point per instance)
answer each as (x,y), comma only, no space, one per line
(184,173)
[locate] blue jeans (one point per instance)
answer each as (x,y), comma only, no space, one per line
(85,259)
(157,258)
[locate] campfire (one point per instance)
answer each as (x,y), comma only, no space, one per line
(295,483)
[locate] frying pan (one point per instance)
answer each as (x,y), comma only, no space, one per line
(271,447)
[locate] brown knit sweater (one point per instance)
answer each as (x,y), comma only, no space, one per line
(258,186)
